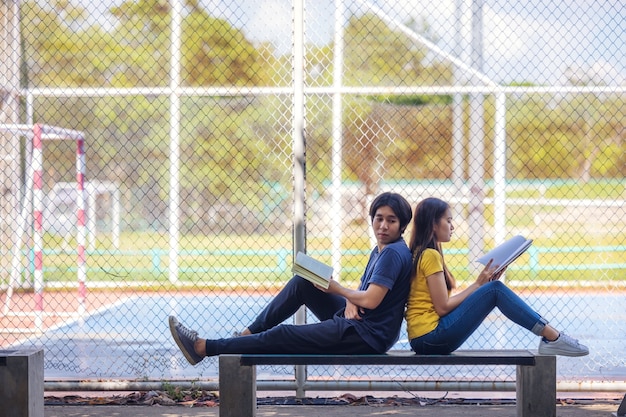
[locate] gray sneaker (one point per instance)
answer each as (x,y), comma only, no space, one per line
(185,339)
(563,346)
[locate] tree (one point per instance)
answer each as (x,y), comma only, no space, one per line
(215,53)
(128,140)
(61,49)
(233,157)
(376,54)
(596,130)
(557,139)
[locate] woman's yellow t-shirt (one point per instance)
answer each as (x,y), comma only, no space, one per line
(421,317)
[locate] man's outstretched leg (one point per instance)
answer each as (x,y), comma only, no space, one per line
(336,336)
(296,293)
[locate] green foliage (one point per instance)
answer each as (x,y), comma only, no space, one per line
(58,54)
(230,141)
(178,394)
(239,150)
(412,100)
(558,140)
(376,54)
(215,53)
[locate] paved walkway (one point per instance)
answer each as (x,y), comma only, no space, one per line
(593,409)
(453,405)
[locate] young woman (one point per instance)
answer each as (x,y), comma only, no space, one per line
(365,320)
(438,322)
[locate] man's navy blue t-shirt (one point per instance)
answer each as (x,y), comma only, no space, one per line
(391,268)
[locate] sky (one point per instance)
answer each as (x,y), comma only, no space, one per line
(523,40)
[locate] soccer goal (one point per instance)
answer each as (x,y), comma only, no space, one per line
(37,134)
(60,210)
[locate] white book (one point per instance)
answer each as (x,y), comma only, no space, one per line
(313,270)
(504,254)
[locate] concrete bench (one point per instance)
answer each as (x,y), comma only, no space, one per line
(21,383)
(535,377)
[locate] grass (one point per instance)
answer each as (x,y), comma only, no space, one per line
(219,262)
(575,243)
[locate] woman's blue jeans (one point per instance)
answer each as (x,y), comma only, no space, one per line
(455,327)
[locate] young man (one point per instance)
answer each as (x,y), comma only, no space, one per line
(362,321)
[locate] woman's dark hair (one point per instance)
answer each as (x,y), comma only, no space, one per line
(399,205)
(428,212)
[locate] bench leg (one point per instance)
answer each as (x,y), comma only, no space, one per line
(536,388)
(237,386)
(621,410)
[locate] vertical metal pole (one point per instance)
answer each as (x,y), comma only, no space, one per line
(299,158)
(38,222)
(476,218)
(81,229)
(174,219)
(92,190)
(337,152)
(457,112)
(11,234)
(116,217)
(499,174)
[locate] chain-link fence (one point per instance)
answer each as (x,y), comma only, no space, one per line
(163,157)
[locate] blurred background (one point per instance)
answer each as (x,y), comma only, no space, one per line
(164,157)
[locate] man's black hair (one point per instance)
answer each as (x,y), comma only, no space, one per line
(398,204)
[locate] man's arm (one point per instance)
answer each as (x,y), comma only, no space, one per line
(377,287)
(369,298)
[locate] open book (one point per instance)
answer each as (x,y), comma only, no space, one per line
(313,270)
(504,254)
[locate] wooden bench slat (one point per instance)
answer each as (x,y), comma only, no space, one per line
(462,357)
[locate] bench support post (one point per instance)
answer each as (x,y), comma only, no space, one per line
(621,411)
(237,386)
(536,388)
(21,383)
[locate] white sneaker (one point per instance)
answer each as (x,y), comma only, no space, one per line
(563,346)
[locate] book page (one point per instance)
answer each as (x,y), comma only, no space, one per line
(313,270)
(504,254)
